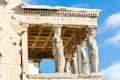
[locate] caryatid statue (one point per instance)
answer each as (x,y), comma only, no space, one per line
(58,50)
(74,63)
(67,65)
(84,57)
(93,51)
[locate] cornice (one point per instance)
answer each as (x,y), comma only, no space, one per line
(59,11)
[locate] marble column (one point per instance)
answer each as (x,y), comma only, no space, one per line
(93,50)
(24,51)
(58,50)
(79,58)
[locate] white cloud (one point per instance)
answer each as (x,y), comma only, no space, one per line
(114,40)
(112,72)
(32,68)
(112,25)
(113,21)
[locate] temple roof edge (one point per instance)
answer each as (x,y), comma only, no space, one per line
(58,8)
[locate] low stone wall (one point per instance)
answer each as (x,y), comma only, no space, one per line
(64,77)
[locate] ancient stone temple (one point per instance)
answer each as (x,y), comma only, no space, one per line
(30,32)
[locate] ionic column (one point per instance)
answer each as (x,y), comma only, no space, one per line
(93,50)
(24,51)
(58,50)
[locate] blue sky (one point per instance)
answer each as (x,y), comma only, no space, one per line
(108,32)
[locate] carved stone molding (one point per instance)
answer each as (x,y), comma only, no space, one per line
(60,13)
(66,76)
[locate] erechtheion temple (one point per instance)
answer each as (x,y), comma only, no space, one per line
(34,32)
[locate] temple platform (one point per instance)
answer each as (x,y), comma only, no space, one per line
(64,77)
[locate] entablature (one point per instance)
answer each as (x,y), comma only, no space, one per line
(32,14)
(72,21)
(59,11)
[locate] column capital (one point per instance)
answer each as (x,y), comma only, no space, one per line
(57,29)
(58,25)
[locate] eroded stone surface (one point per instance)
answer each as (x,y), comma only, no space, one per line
(65,77)
(27,34)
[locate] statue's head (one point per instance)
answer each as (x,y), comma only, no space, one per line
(92,31)
(57,30)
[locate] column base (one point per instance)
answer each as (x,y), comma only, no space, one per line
(65,77)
